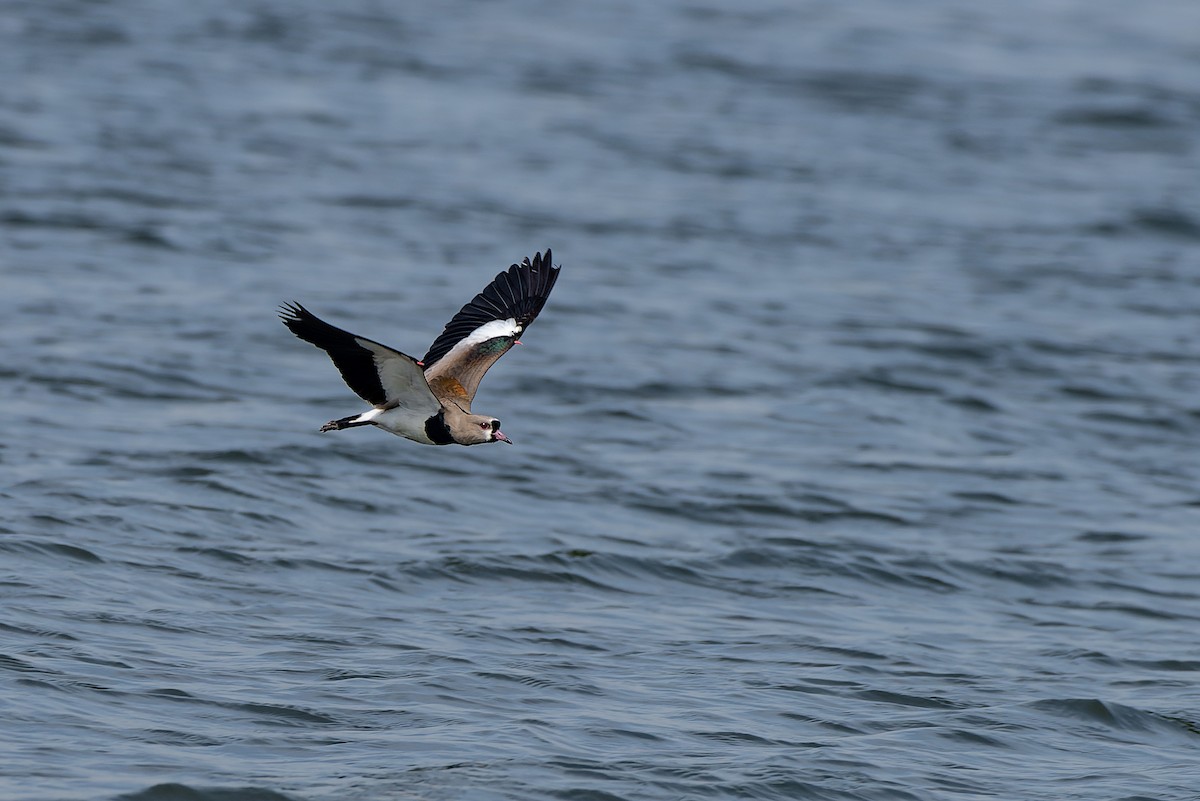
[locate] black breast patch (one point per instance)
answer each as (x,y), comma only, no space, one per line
(436,430)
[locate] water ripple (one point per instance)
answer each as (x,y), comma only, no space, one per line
(855,447)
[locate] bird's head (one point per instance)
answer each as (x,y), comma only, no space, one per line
(474,429)
(489,429)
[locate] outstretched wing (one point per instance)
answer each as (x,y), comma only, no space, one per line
(484,329)
(379,375)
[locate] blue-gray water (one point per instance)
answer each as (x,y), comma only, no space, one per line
(856,448)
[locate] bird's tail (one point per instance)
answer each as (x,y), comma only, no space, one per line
(345,422)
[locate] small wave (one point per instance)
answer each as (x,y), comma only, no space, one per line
(548,568)
(182,792)
(1114,117)
(738,738)
(748,507)
(1109,537)
(40,633)
(1113,716)
(851,90)
(901,699)
(385,202)
(1138,611)
(1029,573)
(259,713)
(1169,665)
(586,794)
(1162,220)
(607,572)
(282,715)
(973,403)
(16,665)
(961,351)
(991,498)
(972,738)
(1141,421)
(220,554)
(171,737)
(628,734)
(913,573)
(542,682)
(53,549)
(138,234)
(881,378)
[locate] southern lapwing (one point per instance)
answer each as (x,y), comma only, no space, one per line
(429,401)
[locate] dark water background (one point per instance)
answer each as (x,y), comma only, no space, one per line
(856,449)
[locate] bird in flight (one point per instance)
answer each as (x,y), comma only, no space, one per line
(429,401)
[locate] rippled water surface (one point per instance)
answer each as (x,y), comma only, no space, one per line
(856,448)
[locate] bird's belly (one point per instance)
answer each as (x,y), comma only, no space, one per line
(404,423)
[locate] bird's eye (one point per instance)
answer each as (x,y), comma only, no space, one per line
(483,425)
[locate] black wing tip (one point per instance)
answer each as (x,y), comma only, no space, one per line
(292,312)
(541,271)
(534,266)
(532,280)
(309,327)
(539,261)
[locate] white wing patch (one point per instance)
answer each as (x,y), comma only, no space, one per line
(402,378)
(496,328)
(489,330)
